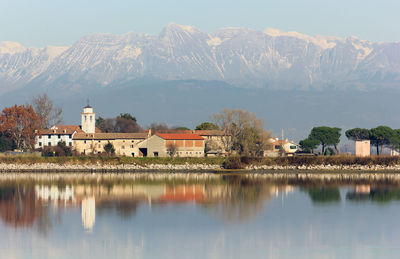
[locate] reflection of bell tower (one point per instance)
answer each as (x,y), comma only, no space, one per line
(88,120)
(88,212)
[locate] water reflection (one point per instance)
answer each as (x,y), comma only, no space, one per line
(43,200)
(324,195)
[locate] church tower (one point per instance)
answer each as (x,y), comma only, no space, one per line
(88,121)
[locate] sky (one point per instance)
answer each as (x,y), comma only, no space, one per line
(62,22)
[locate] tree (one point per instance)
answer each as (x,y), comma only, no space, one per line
(45,109)
(123,123)
(99,122)
(6,143)
(109,148)
(358,134)
(207,126)
(245,131)
(181,128)
(172,149)
(19,124)
(309,145)
(126,116)
(380,136)
(395,140)
(326,136)
(158,126)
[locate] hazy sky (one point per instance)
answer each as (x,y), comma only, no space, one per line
(62,22)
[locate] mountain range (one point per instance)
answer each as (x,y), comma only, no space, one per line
(240,57)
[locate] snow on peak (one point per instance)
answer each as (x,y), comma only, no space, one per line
(321,41)
(9,47)
(186,28)
(55,51)
(213,42)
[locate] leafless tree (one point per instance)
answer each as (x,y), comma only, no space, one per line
(172,149)
(245,131)
(49,114)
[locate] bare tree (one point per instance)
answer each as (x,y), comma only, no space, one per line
(49,114)
(172,149)
(245,131)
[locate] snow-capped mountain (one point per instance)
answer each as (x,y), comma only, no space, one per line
(238,56)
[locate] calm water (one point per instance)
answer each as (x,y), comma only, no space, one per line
(199,216)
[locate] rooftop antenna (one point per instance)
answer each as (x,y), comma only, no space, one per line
(282,134)
(87,100)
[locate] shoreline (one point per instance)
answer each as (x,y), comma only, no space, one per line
(199,168)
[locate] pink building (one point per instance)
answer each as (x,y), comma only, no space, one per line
(363,148)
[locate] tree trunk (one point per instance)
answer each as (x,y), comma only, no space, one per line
(336,149)
(377,149)
(323,149)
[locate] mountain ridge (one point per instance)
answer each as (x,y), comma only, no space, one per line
(241,57)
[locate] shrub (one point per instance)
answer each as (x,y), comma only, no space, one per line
(233,162)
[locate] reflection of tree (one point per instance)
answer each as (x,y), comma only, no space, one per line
(240,199)
(17,205)
(124,208)
(376,195)
(324,195)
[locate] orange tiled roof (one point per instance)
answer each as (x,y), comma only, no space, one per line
(63,129)
(175,136)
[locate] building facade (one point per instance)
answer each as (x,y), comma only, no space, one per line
(363,148)
(172,144)
(56,134)
(125,144)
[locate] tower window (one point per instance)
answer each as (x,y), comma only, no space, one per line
(85,117)
(90,117)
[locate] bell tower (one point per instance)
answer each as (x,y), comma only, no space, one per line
(88,120)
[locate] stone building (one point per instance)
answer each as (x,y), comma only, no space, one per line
(125,144)
(56,134)
(172,144)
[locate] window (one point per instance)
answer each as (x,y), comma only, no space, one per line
(293,147)
(40,144)
(123,147)
(155,154)
(84,141)
(70,135)
(131,146)
(40,137)
(99,141)
(59,135)
(70,144)
(85,118)
(90,118)
(49,136)
(49,144)
(277,147)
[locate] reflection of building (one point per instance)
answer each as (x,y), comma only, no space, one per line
(88,211)
(362,189)
(54,194)
(184,193)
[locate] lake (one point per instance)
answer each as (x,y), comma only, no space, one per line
(194,215)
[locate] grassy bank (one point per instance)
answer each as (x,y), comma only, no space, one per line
(84,160)
(242,162)
(231,162)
